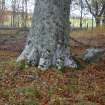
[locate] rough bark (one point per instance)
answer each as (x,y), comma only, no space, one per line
(48,41)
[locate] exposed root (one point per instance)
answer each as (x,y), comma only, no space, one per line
(60,58)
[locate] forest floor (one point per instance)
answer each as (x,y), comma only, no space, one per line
(24,85)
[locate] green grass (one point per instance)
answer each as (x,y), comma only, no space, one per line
(76,22)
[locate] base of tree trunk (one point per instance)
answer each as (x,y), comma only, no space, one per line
(44,58)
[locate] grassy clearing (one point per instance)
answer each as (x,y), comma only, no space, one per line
(98,31)
(8,31)
(86,21)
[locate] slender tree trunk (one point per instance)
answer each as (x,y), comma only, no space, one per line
(2,11)
(26,14)
(13,13)
(103,21)
(81,18)
(48,42)
(98,20)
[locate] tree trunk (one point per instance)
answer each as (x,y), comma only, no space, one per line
(98,20)
(103,20)
(48,42)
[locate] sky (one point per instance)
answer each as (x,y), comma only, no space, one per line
(74,12)
(30,4)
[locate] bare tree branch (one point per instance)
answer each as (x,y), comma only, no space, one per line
(90,9)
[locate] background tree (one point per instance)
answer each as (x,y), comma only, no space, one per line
(13,18)
(24,13)
(48,42)
(80,6)
(96,8)
(2,11)
(81,17)
(103,20)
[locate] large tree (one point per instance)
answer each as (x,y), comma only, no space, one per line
(48,41)
(96,8)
